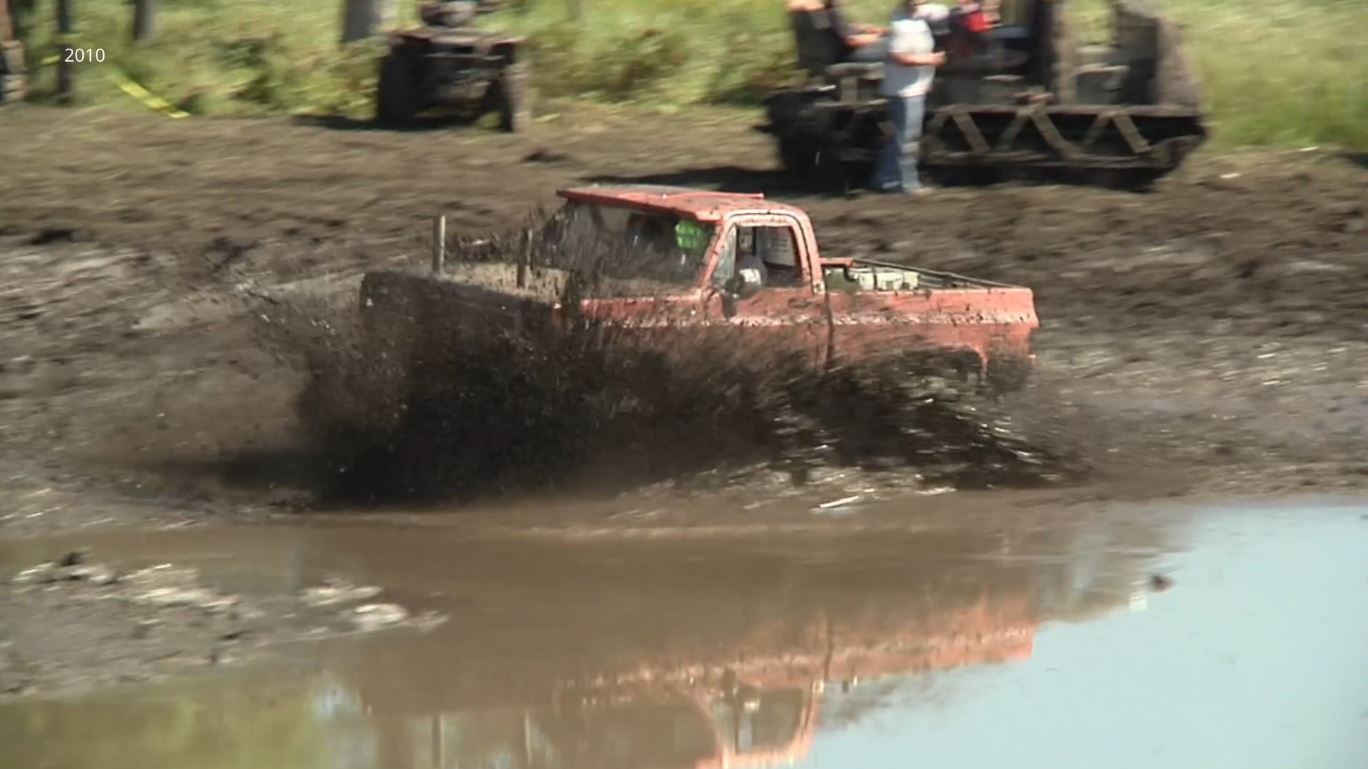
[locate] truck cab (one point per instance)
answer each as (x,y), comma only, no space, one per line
(754,266)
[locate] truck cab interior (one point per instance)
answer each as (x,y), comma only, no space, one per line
(774,247)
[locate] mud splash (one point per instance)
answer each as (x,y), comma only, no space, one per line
(478,409)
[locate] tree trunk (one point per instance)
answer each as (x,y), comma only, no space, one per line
(20,14)
(66,89)
(365,18)
(144,12)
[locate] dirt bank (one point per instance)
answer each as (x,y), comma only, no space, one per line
(1210,334)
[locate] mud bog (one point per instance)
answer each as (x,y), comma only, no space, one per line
(1206,337)
(179,349)
(907,638)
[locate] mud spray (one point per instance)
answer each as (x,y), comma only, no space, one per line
(477,409)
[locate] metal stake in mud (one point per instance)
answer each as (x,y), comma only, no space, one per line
(438,243)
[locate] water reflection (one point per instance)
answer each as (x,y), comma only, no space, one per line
(686,710)
(721,654)
(605,655)
(258,721)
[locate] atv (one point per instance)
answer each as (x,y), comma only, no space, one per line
(447,63)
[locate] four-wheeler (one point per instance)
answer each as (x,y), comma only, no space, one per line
(708,266)
(448,63)
(1028,101)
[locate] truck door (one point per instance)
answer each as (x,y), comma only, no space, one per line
(786,312)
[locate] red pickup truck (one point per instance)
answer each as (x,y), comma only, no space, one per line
(733,263)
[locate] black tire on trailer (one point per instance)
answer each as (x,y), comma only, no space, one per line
(798,154)
(832,173)
(513,98)
(785,108)
(396,100)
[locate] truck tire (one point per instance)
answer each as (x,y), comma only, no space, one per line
(513,99)
(396,99)
(1007,375)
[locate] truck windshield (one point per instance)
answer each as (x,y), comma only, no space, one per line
(630,251)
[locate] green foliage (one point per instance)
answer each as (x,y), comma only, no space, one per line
(215,57)
(1273,74)
(686,52)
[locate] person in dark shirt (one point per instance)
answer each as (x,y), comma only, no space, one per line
(847,41)
(969,22)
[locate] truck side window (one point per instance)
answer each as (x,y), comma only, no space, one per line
(777,248)
(726,260)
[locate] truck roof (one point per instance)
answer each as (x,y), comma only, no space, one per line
(704,205)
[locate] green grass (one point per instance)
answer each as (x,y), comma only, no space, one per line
(216,56)
(1294,73)
(1290,73)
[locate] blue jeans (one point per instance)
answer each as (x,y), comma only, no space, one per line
(896,167)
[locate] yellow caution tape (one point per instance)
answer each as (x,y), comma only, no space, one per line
(128,86)
(145,96)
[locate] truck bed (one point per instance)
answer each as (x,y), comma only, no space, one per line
(543,284)
(873,275)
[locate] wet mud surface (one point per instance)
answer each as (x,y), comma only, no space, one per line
(1208,336)
(74,624)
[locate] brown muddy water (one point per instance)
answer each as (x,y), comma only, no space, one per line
(1033,637)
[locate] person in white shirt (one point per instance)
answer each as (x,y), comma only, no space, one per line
(752,264)
(908,72)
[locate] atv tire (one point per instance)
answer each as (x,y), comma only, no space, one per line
(396,102)
(11,58)
(12,88)
(512,99)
